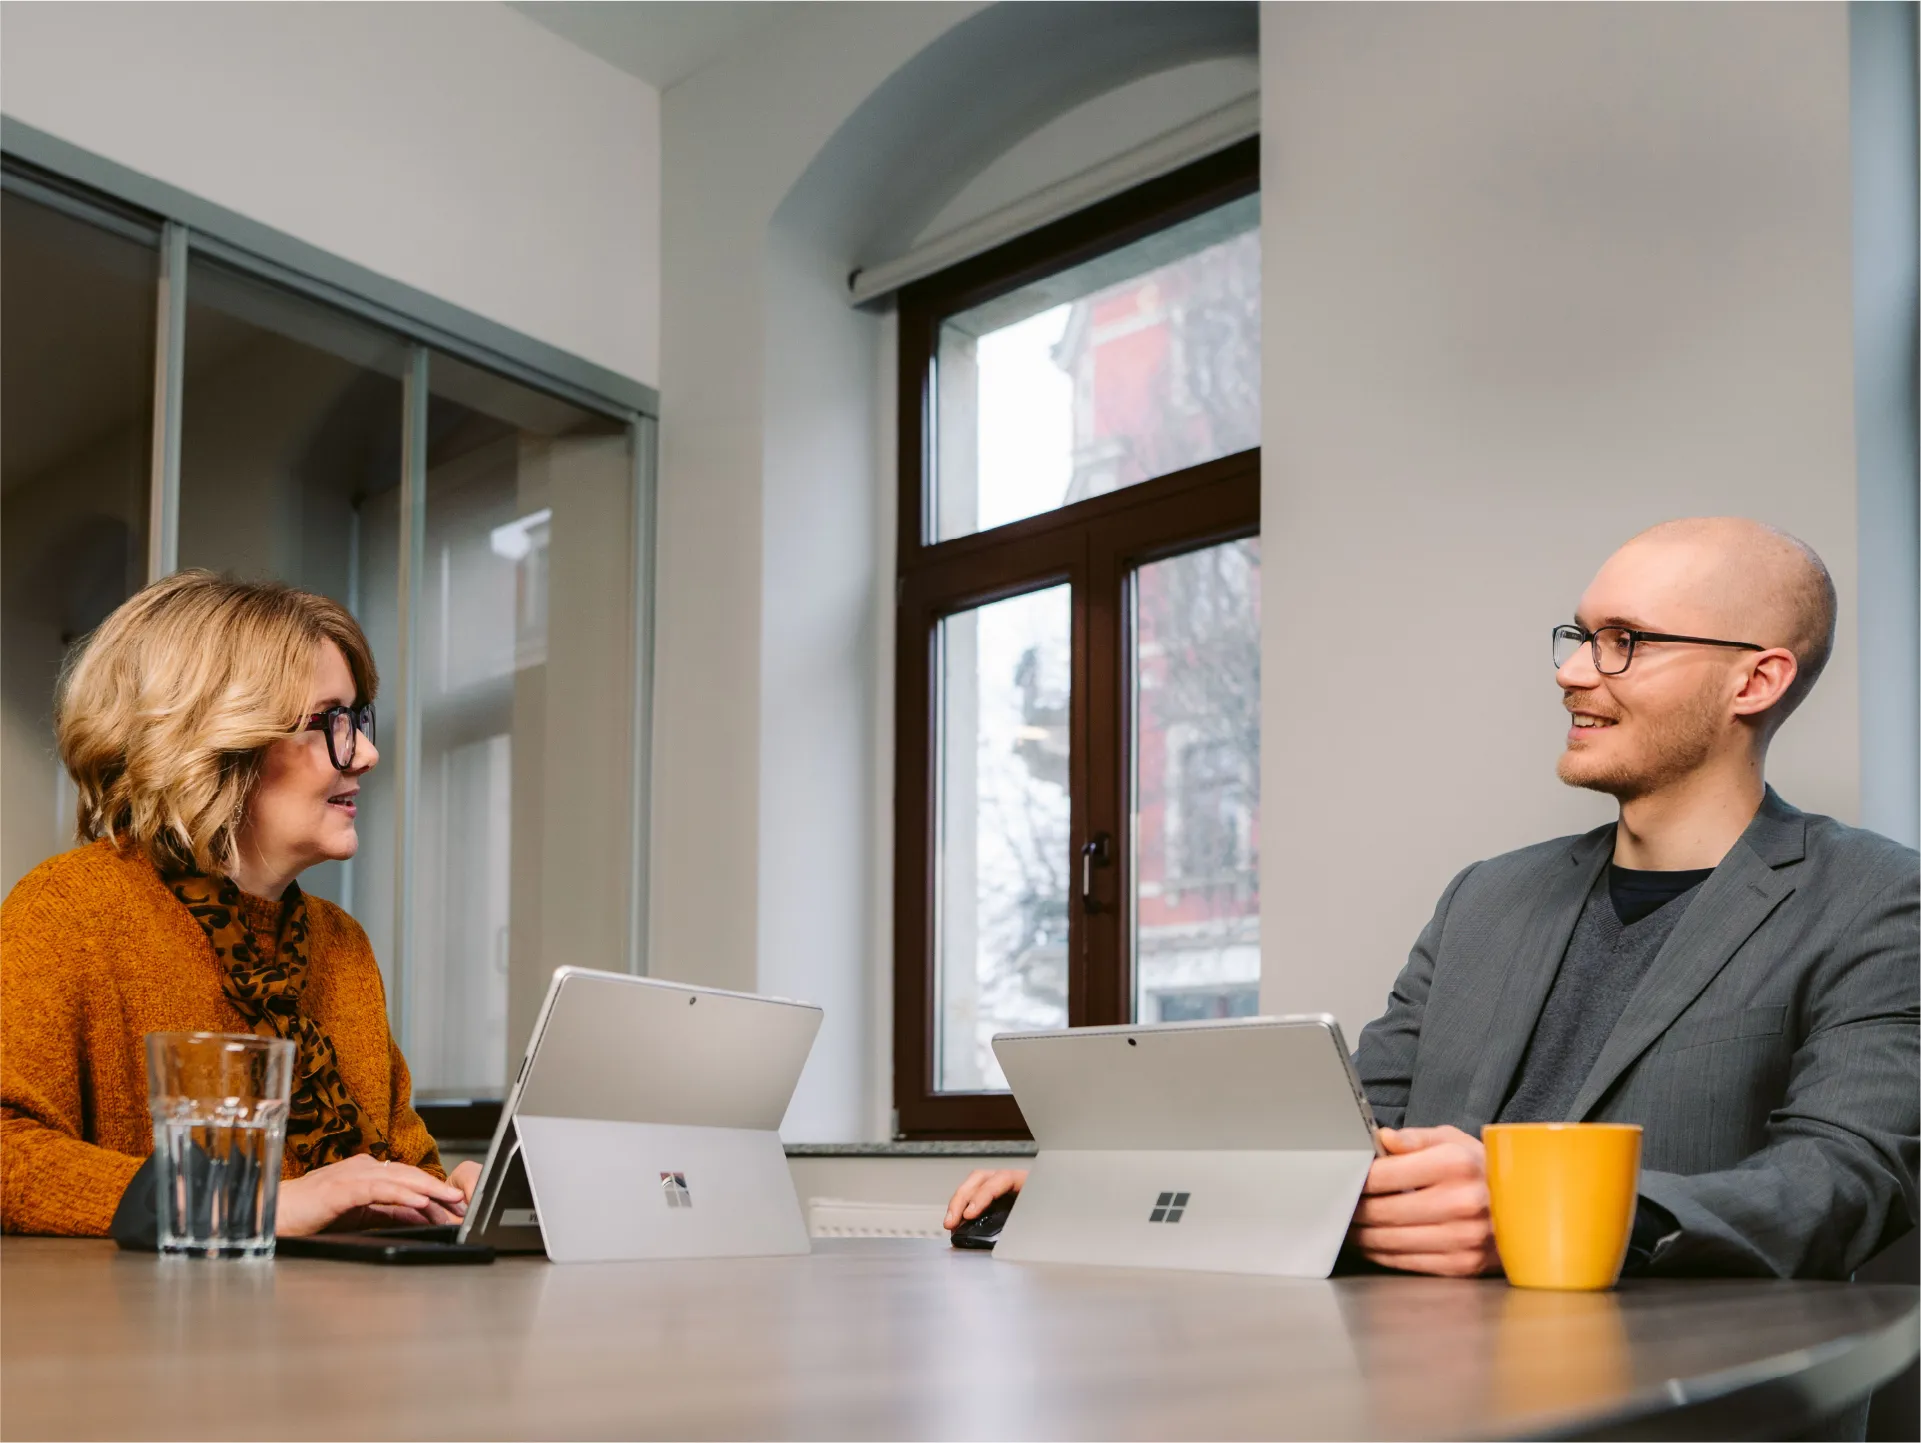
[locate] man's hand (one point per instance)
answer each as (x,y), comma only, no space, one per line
(971,1198)
(1425,1209)
(362,1192)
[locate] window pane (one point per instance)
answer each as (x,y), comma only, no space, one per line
(1003,871)
(290,471)
(1197,784)
(1135,364)
(522,851)
(76,389)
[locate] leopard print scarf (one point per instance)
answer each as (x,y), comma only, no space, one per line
(324,1123)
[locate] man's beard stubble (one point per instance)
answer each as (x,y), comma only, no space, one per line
(1671,746)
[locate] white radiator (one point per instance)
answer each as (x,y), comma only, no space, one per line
(835,1217)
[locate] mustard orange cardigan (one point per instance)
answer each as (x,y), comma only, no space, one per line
(95,953)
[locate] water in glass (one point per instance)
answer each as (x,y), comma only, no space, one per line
(219,1106)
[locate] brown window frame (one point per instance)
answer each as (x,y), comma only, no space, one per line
(1095,545)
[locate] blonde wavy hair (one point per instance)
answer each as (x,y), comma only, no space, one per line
(164,714)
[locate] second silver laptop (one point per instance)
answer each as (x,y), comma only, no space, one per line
(1230,1146)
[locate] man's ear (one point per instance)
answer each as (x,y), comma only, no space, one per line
(1769,675)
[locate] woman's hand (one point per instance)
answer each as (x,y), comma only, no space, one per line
(981,1188)
(466,1177)
(362,1192)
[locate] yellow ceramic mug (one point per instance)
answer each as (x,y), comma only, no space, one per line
(1563,1196)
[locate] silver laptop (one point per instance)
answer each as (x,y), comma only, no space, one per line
(1230,1146)
(645,1123)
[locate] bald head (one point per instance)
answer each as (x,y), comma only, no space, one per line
(1752,582)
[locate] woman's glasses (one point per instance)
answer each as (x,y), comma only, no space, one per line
(342,726)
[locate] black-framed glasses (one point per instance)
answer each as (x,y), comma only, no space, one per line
(1613,646)
(343,726)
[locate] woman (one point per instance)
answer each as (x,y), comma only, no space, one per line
(217,731)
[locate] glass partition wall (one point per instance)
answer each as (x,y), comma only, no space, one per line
(76,397)
(488,534)
(289,441)
(525,657)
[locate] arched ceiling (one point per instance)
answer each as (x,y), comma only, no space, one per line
(994,78)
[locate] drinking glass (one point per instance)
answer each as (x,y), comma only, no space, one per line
(219,1106)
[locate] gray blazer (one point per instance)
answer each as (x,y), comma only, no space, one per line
(1772,1053)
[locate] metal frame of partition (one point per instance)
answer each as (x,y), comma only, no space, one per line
(291,262)
(52,172)
(413,566)
(169,380)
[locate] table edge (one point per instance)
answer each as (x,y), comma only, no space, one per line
(1790,1390)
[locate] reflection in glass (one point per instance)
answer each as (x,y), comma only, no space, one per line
(290,471)
(1197,784)
(1003,875)
(1138,363)
(76,391)
(521,859)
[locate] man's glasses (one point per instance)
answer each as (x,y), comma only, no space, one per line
(1613,646)
(342,726)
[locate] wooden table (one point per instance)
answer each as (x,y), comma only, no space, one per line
(902,1339)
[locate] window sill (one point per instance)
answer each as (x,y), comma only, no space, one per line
(939,1147)
(472,1121)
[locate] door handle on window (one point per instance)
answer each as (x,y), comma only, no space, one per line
(1095,852)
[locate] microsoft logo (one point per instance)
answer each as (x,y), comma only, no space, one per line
(673,1187)
(1168,1207)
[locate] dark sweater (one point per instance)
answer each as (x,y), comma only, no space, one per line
(1625,923)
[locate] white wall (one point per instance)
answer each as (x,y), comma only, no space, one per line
(821,630)
(764,727)
(459,148)
(1536,276)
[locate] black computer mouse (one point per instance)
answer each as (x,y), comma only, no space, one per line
(982,1231)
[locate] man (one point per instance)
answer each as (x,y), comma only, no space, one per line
(1737,976)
